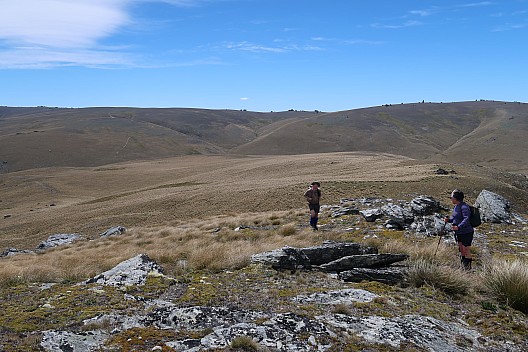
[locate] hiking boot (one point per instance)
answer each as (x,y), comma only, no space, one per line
(466,263)
(315,228)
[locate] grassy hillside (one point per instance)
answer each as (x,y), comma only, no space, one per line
(44,137)
(487,133)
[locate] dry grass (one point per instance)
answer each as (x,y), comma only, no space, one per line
(433,263)
(211,244)
(507,280)
(428,251)
(446,278)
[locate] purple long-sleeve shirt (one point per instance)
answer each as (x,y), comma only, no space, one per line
(460,218)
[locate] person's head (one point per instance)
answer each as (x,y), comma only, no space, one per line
(315,185)
(457,196)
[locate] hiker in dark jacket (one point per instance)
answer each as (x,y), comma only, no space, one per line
(313,196)
(463,229)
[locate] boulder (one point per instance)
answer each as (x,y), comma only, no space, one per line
(363,261)
(289,258)
(131,272)
(424,205)
(330,251)
(113,231)
(344,211)
(429,225)
(371,215)
(389,275)
(286,258)
(59,239)
(399,214)
(14,251)
(493,207)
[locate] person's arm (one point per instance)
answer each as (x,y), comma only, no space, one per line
(308,195)
(466,213)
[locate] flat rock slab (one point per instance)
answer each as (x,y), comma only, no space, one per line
(131,272)
(388,275)
(363,261)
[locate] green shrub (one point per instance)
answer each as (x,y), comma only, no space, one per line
(507,280)
(448,279)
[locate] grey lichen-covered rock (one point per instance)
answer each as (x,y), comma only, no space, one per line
(330,251)
(59,239)
(63,341)
(289,258)
(169,316)
(286,258)
(363,261)
(424,205)
(341,211)
(493,207)
(390,275)
(14,251)
(430,225)
(131,272)
(427,332)
(345,296)
(371,215)
(282,332)
(402,215)
(113,231)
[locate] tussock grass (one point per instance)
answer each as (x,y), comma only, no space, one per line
(244,343)
(507,280)
(203,244)
(451,280)
(288,230)
(429,252)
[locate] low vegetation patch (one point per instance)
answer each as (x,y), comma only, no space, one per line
(507,280)
(451,280)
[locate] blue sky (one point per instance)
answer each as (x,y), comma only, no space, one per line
(261,55)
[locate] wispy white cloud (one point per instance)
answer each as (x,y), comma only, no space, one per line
(258,48)
(509,27)
(47,33)
(405,24)
(476,4)
(60,23)
(347,41)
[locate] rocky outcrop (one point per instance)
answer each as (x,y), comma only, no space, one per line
(14,251)
(391,275)
(337,258)
(131,272)
(493,207)
(362,261)
(58,240)
(337,297)
(289,258)
(426,332)
(113,231)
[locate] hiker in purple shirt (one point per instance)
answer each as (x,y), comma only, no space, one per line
(463,229)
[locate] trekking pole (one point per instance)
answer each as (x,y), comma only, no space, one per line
(438,245)
(441,234)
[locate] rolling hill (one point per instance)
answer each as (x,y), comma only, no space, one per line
(487,133)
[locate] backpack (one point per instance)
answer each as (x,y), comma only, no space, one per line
(474,218)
